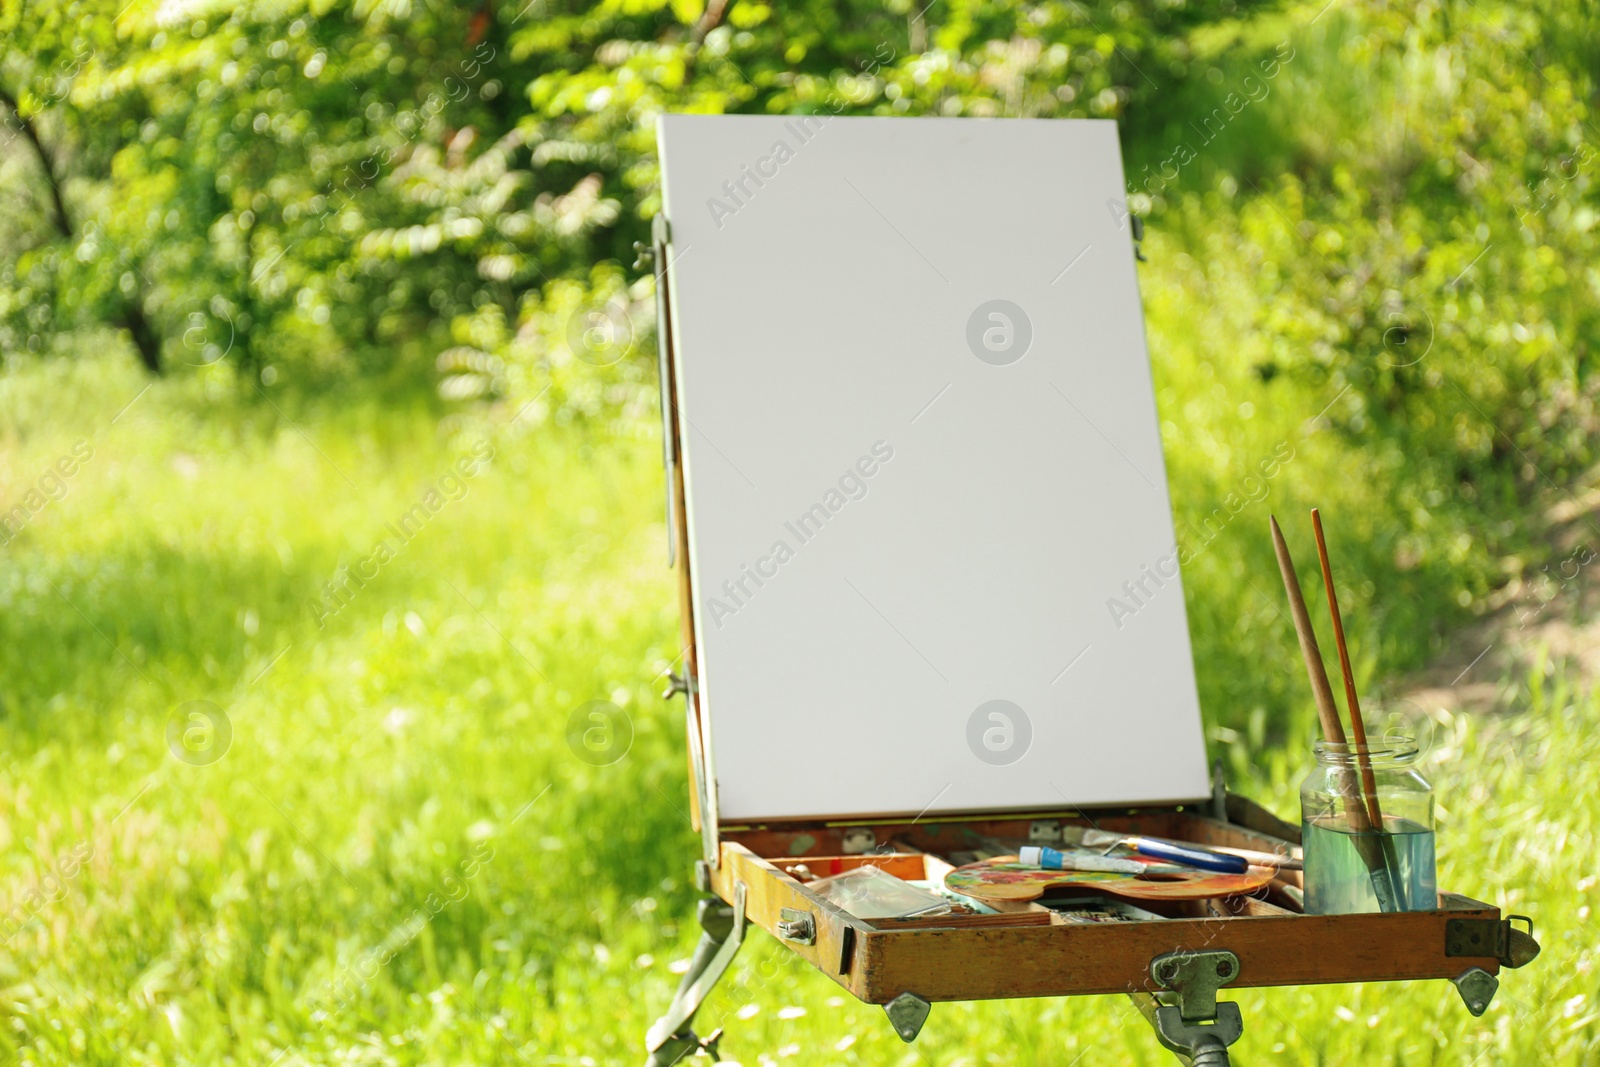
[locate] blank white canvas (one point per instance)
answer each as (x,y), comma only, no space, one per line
(825,274)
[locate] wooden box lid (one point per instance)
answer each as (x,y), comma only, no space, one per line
(922,469)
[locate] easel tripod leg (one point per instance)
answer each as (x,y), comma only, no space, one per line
(671,1039)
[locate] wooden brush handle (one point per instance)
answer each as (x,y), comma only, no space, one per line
(1327,711)
(1358,726)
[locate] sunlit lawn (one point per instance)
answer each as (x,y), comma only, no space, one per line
(398,859)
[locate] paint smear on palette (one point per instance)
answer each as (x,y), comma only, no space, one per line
(1003,878)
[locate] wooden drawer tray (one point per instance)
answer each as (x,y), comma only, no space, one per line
(1275,945)
(1030,950)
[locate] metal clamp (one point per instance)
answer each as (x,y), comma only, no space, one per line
(1188,1020)
(1195,977)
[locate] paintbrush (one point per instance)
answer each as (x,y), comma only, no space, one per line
(1358,725)
(1257,858)
(1332,729)
(1172,851)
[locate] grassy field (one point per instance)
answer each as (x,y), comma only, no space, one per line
(288,681)
(399,859)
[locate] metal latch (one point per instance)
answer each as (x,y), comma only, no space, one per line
(797,926)
(1491,937)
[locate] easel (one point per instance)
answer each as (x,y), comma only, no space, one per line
(1172,969)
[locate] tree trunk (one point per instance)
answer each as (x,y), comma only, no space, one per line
(46,161)
(144,338)
(133,319)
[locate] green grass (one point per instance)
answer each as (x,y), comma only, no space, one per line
(303,899)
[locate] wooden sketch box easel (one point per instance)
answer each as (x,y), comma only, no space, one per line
(912,454)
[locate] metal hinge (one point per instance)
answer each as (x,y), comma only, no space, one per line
(1491,937)
(1044,832)
(1195,977)
(1188,1020)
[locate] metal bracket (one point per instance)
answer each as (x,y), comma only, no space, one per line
(704,779)
(1188,1020)
(1044,832)
(1491,937)
(661,238)
(1219,793)
(797,926)
(907,1013)
(671,1039)
(1195,977)
(1477,988)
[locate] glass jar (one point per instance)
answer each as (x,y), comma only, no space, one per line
(1357,863)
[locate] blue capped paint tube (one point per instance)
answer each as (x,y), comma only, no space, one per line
(1052,859)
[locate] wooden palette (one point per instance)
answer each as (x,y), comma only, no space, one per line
(1003,878)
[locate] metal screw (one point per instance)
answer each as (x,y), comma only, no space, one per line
(799,929)
(1224,968)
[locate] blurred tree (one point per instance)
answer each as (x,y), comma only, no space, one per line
(70,268)
(332,185)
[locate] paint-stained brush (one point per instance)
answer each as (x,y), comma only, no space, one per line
(1196,856)
(1358,726)
(1332,729)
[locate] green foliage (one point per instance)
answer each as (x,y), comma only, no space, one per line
(326,186)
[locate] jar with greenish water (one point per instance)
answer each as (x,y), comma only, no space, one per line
(1353,864)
